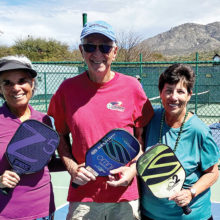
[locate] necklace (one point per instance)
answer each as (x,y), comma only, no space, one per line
(179,134)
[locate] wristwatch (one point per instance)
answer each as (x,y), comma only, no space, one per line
(193,192)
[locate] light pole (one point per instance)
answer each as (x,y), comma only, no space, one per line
(84,15)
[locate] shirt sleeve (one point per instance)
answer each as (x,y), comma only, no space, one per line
(143,108)
(209,152)
(57,111)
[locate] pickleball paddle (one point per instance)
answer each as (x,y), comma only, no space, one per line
(117,148)
(161,171)
(31,148)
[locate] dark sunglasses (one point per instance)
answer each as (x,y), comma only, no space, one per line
(89,48)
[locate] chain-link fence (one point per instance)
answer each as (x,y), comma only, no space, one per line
(205,101)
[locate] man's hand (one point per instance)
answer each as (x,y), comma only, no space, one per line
(82,176)
(125,174)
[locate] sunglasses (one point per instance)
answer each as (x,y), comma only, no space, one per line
(90,48)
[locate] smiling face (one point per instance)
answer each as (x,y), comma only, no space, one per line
(175,98)
(16,86)
(99,64)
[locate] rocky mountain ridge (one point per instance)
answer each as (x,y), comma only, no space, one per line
(185,39)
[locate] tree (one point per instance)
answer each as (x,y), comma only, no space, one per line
(6,51)
(130,47)
(76,54)
(42,50)
(127,43)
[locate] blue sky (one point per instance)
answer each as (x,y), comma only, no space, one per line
(62,19)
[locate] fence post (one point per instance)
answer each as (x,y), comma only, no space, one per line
(84,15)
(141,68)
(45,90)
(196,89)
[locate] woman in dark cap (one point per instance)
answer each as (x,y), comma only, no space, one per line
(32,195)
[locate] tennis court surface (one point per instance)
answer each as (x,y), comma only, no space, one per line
(61,182)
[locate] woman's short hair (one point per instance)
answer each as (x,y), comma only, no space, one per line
(176,73)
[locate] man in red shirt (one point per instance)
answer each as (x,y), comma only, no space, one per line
(88,106)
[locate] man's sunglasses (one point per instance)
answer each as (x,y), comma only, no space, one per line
(89,48)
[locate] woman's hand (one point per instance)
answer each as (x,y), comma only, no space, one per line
(182,198)
(9,179)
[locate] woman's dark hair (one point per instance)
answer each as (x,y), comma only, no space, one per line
(175,73)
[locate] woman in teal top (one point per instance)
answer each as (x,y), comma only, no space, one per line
(194,147)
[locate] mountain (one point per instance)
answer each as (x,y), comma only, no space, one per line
(185,39)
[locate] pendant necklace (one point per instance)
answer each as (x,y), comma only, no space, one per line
(179,134)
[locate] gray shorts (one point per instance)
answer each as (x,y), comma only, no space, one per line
(104,211)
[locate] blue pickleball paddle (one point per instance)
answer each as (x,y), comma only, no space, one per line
(117,148)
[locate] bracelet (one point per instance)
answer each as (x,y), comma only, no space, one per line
(192,191)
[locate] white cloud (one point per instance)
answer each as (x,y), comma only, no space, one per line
(62,20)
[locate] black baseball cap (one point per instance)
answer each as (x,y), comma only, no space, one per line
(6,65)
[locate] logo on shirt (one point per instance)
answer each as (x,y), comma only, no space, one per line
(117,106)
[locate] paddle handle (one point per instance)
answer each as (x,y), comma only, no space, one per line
(75,185)
(6,190)
(186,210)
